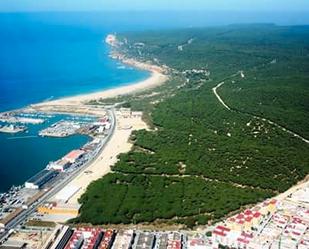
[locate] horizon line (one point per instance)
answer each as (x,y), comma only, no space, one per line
(157,10)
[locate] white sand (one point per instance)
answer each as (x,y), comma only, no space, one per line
(118,144)
(156,79)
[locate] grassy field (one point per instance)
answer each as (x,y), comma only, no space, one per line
(204,161)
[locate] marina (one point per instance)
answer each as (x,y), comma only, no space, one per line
(26,139)
(12,128)
(24,199)
(13,118)
(61,129)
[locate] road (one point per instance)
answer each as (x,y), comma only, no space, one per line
(54,190)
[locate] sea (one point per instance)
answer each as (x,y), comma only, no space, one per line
(49,55)
(43,58)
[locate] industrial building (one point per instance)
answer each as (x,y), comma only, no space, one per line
(98,238)
(66,193)
(60,165)
(162,241)
(92,145)
(41,178)
(74,155)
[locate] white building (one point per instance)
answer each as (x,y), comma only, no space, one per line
(60,165)
(66,193)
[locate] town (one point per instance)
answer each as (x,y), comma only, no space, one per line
(281,222)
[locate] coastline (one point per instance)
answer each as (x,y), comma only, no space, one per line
(155,79)
(120,139)
(76,105)
(119,142)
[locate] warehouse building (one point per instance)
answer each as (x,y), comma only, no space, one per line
(60,165)
(66,193)
(38,180)
(74,155)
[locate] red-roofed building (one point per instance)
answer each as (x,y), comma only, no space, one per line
(223,228)
(219,237)
(240,216)
(74,155)
(256,214)
(242,243)
(248,212)
(249,218)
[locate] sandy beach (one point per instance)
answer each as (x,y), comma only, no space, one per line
(119,142)
(156,79)
(125,123)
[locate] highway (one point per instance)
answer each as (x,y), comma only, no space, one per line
(55,189)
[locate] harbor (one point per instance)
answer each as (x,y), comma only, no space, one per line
(14,117)
(65,128)
(20,202)
(17,121)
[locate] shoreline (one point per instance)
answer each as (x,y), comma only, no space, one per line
(158,76)
(78,102)
(155,79)
(77,105)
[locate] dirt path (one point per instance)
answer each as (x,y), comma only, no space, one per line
(218,96)
(254,116)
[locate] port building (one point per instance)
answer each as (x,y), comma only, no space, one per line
(74,155)
(41,178)
(60,165)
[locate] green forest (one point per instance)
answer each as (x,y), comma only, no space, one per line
(202,161)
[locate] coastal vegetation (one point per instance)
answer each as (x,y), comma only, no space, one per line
(167,197)
(202,161)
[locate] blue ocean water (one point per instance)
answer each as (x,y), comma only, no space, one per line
(42,58)
(24,154)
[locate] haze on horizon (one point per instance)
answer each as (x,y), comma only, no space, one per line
(154,5)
